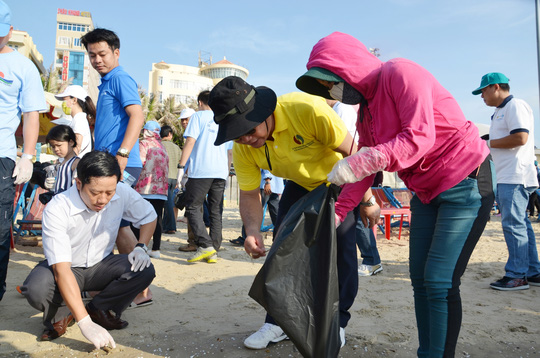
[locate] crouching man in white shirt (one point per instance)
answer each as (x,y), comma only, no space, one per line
(80,227)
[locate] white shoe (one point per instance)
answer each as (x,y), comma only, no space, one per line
(202,253)
(267,333)
(154,254)
(342,336)
(369,270)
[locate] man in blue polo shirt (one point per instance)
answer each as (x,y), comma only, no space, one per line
(20,92)
(119,116)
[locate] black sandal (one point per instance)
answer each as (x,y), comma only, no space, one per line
(238,241)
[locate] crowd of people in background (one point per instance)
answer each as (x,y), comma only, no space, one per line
(117,177)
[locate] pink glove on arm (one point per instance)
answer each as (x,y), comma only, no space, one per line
(356,167)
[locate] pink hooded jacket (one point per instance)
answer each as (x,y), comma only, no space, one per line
(410,118)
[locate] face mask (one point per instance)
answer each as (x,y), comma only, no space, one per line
(336,92)
(345,93)
(66,109)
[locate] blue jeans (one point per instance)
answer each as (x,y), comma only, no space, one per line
(7,195)
(365,240)
(169,220)
(443,235)
(518,233)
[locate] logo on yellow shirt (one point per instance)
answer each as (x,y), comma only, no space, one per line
(298,139)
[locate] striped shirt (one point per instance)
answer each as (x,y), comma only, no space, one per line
(64,176)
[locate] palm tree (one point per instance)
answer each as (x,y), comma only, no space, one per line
(50,81)
(149,104)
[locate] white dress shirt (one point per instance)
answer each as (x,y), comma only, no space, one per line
(73,233)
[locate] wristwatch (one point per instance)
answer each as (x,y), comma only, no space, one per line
(123,152)
(180,166)
(370,202)
(142,246)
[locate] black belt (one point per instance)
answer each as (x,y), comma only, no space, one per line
(474,174)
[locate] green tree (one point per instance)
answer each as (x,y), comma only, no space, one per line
(51,83)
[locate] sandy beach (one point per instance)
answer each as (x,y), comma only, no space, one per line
(203,310)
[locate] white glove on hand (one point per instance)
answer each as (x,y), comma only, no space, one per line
(96,334)
(356,167)
(337,220)
(180,176)
(138,259)
(23,170)
(49,183)
(341,173)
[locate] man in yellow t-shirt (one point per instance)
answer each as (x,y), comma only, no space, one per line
(297,137)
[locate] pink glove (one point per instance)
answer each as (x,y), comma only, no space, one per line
(356,167)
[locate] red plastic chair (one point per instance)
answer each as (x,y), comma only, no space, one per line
(390,210)
(31,222)
(18,203)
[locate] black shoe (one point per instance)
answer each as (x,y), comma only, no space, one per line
(510,284)
(238,241)
(534,280)
(105,319)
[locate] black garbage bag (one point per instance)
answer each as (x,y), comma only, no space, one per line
(298,283)
(180,200)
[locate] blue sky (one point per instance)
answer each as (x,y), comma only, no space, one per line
(458,41)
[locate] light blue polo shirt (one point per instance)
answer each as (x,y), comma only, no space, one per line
(206,159)
(21,91)
(116,91)
(276,183)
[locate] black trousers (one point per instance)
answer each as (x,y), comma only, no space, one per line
(158,207)
(197,190)
(346,251)
(112,276)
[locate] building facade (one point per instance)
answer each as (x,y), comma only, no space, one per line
(71,61)
(184,83)
(22,42)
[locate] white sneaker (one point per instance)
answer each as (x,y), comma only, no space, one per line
(201,254)
(154,254)
(342,336)
(369,270)
(267,333)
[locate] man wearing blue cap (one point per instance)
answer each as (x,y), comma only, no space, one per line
(20,92)
(511,141)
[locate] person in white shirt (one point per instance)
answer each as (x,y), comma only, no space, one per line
(511,143)
(80,227)
(83,112)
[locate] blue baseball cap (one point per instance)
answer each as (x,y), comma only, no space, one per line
(489,79)
(5,19)
(152,126)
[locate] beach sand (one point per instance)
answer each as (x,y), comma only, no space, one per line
(203,310)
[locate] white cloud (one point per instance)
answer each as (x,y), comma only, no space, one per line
(243,38)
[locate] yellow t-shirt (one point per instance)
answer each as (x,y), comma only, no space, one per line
(307,131)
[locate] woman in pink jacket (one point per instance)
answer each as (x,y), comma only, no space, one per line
(408,123)
(153,181)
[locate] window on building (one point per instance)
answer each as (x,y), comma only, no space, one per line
(160,97)
(77,42)
(64,41)
(160,80)
(76,67)
(73,27)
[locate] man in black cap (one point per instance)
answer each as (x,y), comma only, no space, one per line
(296,137)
